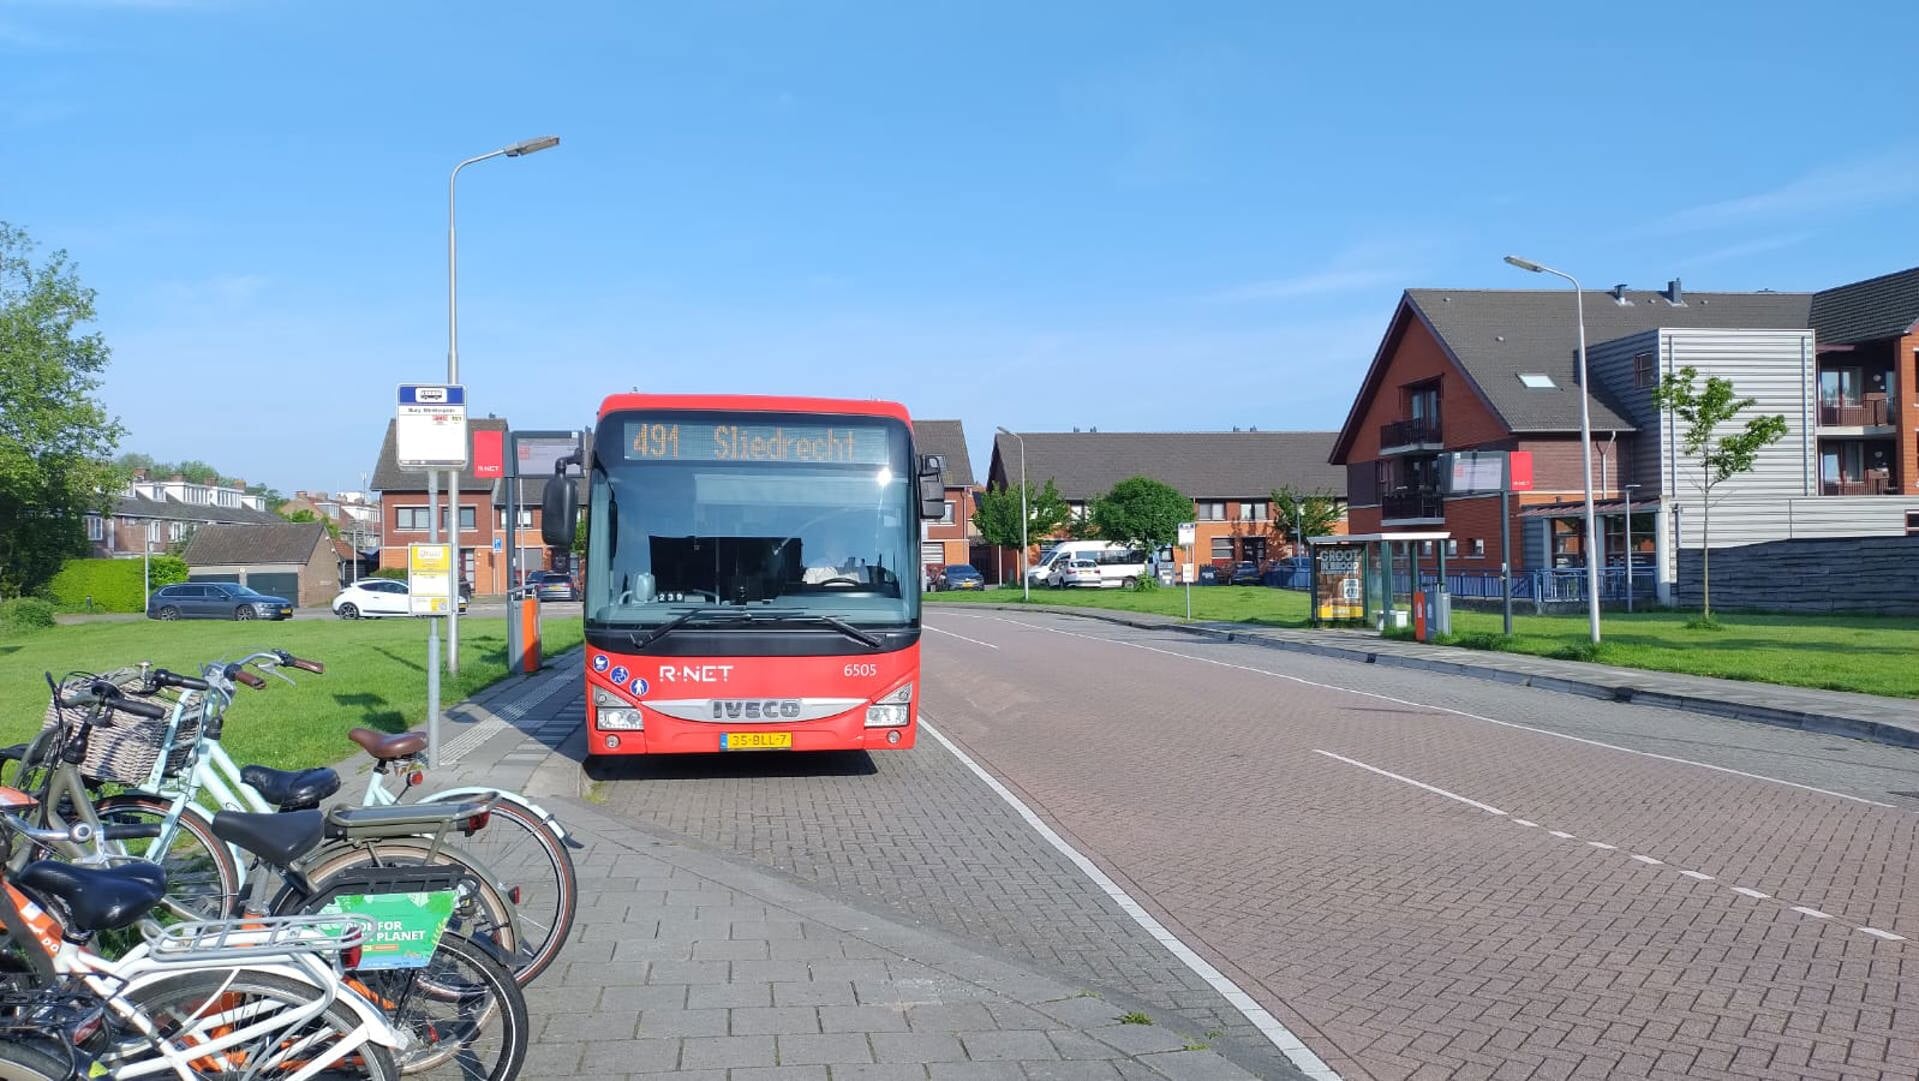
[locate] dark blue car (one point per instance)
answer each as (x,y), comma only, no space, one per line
(960,576)
(215,600)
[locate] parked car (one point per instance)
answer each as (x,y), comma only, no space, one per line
(552,586)
(959,576)
(1074,573)
(372,598)
(215,600)
(1246,573)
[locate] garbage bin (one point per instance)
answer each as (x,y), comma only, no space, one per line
(529,617)
(1439,610)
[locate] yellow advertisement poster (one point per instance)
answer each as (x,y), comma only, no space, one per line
(1340,581)
(429,578)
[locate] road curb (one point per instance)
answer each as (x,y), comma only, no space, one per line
(1831,724)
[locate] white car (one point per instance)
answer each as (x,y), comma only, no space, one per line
(1068,573)
(371,598)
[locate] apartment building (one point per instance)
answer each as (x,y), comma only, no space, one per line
(165,512)
(951,539)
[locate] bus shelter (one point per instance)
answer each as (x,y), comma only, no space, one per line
(1369,579)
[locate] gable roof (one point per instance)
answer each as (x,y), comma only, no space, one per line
(946,437)
(389,477)
(1493,335)
(287,542)
(1882,307)
(1222,465)
(170,509)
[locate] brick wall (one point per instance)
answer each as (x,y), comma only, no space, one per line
(1906,378)
(1415,357)
(1844,574)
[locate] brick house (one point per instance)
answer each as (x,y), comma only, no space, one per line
(1497,370)
(295,560)
(483,530)
(167,512)
(951,539)
(1230,477)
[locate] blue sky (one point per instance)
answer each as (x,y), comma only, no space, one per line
(1125,215)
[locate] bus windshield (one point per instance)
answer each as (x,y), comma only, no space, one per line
(757,512)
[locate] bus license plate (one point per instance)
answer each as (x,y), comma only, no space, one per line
(756,741)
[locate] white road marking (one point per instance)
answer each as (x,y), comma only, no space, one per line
(1523,822)
(1447,709)
(1289,1045)
(961,637)
(1486,807)
(1562,835)
(1650,861)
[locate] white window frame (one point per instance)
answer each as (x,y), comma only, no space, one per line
(1226,543)
(1209,510)
(1478,548)
(947,516)
(1254,510)
(96,528)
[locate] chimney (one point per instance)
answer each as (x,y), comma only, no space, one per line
(1619,295)
(1674,295)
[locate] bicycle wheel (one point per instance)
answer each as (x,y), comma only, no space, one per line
(483,911)
(532,863)
(466,1016)
(202,877)
(200,1008)
(19,1062)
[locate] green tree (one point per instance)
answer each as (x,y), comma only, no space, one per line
(1141,512)
(305,514)
(996,514)
(55,439)
(197,472)
(1704,409)
(1298,515)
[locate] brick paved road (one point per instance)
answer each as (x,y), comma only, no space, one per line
(1425,894)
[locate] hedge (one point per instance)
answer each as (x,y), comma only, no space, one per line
(24,615)
(114,584)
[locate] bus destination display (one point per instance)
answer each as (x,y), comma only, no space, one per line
(833,444)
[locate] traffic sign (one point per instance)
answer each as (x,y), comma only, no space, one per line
(429,427)
(1188,531)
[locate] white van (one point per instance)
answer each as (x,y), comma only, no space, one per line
(1118,565)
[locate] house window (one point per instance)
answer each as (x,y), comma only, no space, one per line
(1479,548)
(410,519)
(1422,402)
(96,529)
(1912,523)
(946,515)
(1452,548)
(1222,549)
(1253,510)
(176,530)
(1642,371)
(1077,510)
(525,516)
(1210,510)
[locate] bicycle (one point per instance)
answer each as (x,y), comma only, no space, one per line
(197,1002)
(530,860)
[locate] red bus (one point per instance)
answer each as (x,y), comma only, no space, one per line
(752,573)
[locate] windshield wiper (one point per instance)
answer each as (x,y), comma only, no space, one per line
(641,641)
(834,622)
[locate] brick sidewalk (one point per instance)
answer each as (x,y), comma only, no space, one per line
(689,964)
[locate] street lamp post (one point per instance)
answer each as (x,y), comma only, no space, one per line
(519,149)
(1585,443)
(1025,586)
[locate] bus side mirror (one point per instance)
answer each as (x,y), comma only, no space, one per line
(932,489)
(559,511)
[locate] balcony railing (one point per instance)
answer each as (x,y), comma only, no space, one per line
(1403,505)
(1419,431)
(1868,486)
(1871,413)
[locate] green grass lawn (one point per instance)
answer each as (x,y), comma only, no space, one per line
(375,675)
(1238,604)
(1868,654)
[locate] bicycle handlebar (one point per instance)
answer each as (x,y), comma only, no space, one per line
(301,663)
(160,677)
(78,833)
(240,675)
(102,693)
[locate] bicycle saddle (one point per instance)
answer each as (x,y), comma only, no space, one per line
(387,748)
(292,789)
(279,837)
(96,898)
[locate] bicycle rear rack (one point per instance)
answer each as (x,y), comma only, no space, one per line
(251,939)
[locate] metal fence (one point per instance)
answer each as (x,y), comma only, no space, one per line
(1541,587)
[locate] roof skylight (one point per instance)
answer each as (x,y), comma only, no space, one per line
(1537,380)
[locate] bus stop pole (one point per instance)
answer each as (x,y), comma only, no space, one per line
(432,631)
(1506,556)
(1192,572)
(512,543)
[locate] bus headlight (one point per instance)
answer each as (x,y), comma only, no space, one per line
(625,720)
(892,711)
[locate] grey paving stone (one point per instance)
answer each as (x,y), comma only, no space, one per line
(775,1021)
(960,1017)
(586,1027)
(814,993)
(785,971)
(829,1048)
(1195,1066)
(862,1019)
(916,1047)
(552,998)
(728,949)
(666,1022)
(1139,1039)
(977,1071)
(709,1052)
(779,1073)
(1072,1043)
(1082,1012)
(880,1071)
(605,974)
(651,949)
(631,1056)
(647,997)
(553,1058)
(1076,1070)
(729,995)
(1008,1046)
(688,972)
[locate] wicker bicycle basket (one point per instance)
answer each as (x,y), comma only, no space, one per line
(124,752)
